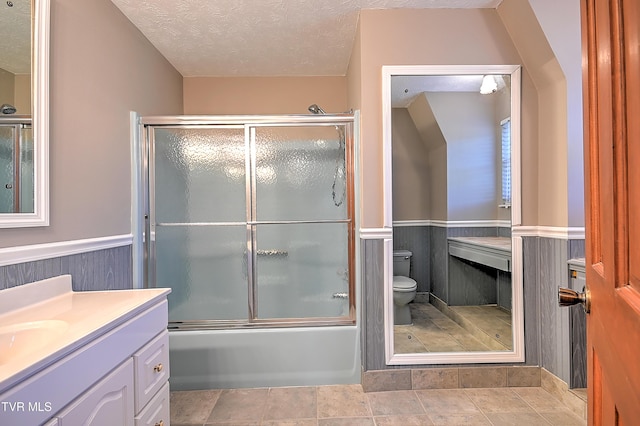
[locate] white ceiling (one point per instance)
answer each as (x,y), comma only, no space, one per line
(261,37)
(234,37)
(405,88)
(15,36)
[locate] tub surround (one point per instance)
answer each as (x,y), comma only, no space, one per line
(51,335)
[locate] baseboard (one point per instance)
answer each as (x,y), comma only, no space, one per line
(558,388)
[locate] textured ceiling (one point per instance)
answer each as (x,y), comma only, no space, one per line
(15,36)
(233,37)
(261,37)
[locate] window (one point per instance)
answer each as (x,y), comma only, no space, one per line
(506,161)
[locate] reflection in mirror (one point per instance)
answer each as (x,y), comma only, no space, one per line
(24,113)
(451,282)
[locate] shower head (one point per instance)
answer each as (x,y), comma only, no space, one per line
(7,109)
(315,109)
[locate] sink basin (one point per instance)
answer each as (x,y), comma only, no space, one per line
(21,339)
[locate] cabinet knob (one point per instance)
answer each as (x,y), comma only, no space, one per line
(160,423)
(158,368)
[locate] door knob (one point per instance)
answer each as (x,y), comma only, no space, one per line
(568,297)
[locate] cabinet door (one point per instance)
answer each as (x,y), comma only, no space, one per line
(108,403)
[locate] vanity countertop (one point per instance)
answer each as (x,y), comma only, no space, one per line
(500,243)
(42,322)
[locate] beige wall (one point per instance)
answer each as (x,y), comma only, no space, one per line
(263,95)
(468,124)
(23,94)
(15,89)
(101,69)
(411,190)
(419,37)
(7,87)
(552,55)
(436,180)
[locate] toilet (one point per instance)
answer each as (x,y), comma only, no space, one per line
(404,288)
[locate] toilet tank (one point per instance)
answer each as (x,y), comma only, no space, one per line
(401,262)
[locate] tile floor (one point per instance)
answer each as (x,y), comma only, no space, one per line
(466,328)
(349,405)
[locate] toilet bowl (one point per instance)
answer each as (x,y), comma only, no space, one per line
(404,288)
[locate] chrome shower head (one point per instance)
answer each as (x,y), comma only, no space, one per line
(315,109)
(7,109)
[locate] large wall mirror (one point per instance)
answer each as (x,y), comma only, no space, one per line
(24,113)
(453,270)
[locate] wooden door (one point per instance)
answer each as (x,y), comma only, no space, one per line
(611,53)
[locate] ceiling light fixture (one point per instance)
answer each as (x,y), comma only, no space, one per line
(489,85)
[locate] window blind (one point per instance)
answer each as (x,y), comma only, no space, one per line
(506,160)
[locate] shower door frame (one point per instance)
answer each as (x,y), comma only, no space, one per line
(144,135)
(18,123)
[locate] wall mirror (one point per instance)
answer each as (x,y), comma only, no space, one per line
(24,113)
(453,270)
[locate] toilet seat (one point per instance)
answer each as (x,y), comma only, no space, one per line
(404,284)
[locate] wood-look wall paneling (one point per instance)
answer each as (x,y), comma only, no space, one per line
(439,263)
(554,320)
(578,328)
(471,283)
(531,296)
(576,249)
(578,324)
(416,240)
(373,305)
(504,231)
(504,290)
(108,269)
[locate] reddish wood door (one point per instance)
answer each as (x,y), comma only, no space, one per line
(611,53)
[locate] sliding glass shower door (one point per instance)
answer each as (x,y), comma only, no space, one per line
(16,166)
(252,225)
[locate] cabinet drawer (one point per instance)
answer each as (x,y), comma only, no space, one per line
(156,413)
(151,367)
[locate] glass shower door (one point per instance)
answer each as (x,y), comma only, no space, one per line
(7,168)
(251,225)
(301,222)
(16,168)
(198,221)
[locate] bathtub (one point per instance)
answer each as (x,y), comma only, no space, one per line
(240,358)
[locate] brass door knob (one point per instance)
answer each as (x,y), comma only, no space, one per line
(568,297)
(158,368)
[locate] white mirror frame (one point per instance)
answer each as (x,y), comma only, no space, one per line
(517,354)
(40,114)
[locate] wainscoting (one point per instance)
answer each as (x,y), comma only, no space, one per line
(433,269)
(101,265)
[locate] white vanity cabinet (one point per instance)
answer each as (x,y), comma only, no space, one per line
(115,374)
(134,394)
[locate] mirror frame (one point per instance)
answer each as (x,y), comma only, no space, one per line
(40,10)
(517,354)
